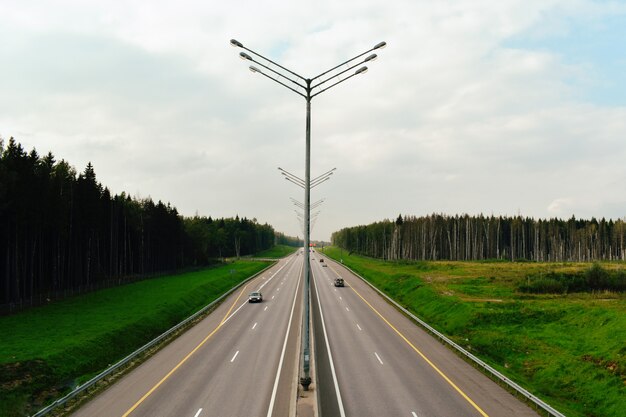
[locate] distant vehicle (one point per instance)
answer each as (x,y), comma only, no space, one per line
(324,264)
(338,282)
(255,297)
(321,260)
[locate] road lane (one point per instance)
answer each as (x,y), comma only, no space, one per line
(386,365)
(226,365)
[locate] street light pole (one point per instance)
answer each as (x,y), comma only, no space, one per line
(279,73)
(305,378)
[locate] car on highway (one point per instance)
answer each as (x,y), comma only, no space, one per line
(338,282)
(255,297)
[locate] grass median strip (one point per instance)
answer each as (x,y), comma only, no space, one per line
(567,348)
(48,350)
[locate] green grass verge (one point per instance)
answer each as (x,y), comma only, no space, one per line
(568,349)
(48,350)
(278,251)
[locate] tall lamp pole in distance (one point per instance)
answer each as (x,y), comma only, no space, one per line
(304,87)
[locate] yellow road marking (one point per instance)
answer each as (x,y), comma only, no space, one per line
(444,376)
(142,399)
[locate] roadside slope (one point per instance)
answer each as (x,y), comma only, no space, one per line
(49,350)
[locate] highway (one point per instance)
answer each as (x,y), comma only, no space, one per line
(242,360)
(239,361)
(376,362)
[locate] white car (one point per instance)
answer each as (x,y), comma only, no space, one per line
(255,297)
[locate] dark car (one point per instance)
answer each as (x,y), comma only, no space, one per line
(338,282)
(255,297)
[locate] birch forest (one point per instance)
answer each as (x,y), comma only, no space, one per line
(471,238)
(62,232)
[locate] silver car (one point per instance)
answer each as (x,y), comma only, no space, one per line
(255,297)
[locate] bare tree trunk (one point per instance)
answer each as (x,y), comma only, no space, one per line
(237,246)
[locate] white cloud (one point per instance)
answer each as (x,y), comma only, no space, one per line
(449,119)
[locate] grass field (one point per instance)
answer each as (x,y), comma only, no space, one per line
(278,251)
(569,349)
(47,350)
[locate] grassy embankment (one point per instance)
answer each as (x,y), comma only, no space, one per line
(47,350)
(570,349)
(278,251)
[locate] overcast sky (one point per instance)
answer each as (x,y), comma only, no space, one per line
(493,107)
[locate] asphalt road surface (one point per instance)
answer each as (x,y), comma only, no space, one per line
(242,360)
(239,361)
(376,362)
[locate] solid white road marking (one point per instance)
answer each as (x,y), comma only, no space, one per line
(357,325)
(254,326)
(282,354)
(378,357)
(272,277)
(235,312)
(342,412)
(233,359)
(198,413)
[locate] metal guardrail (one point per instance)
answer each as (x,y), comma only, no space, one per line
(496,374)
(111,369)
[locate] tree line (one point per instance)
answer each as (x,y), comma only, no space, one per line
(471,238)
(63,231)
(282,239)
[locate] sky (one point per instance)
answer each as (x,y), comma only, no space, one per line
(478,107)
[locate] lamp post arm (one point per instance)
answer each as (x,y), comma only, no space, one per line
(284,170)
(269,60)
(316,204)
(319,182)
(337,75)
(319,179)
(253,69)
(332,85)
(314,183)
(343,63)
(293,177)
(249,58)
(294,182)
(329,172)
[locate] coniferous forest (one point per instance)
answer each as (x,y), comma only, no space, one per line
(62,232)
(471,238)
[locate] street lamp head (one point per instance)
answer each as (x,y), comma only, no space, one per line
(371,58)
(361,70)
(236,43)
(245,56)
(253,69)
(378,46)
